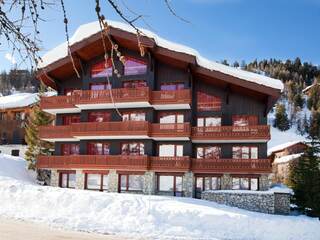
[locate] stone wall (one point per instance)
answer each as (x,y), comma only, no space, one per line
(113,181)
(80,179)
(149,184)
(188,184)
(265,202)
(54,178)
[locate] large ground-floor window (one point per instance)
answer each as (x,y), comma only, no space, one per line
(96,181)
(170,184)
(204,183)
(245,183)
(67,179)
(131,182)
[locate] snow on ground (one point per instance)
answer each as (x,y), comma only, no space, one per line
(153,217)
(87,30)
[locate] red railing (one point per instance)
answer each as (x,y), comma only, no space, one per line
(170,163)
(231,132)
(119,95)
(231,165)
(171,97)
(94,162)
(110,128)
(51,132)
(56,102)
(171,130)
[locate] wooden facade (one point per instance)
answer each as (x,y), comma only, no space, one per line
(155,119)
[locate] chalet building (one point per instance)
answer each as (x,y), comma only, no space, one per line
(174,123)
(282,156)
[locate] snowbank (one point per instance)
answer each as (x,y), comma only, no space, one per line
(131,215)
(86,30)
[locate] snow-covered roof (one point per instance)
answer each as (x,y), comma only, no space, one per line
(307,88)
(287,158)
(20,100)
(89,29)
(282,146)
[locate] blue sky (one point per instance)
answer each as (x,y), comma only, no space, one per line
(219,29)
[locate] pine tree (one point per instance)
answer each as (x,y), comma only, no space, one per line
(281,121)
(304,179)
(298,101)
(36,146)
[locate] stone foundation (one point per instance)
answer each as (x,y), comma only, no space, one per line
(54,178)
(113,181)
(79,179)
(188,182)
(149,184)
(264,182)
(259,201)
(226,182)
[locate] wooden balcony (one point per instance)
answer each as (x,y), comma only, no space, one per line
(170,164)
(119,162)
(54,132)
(174,98)
(231,165)
(57,102)
(126,128)
(259,132)
(119,95)
(171,130)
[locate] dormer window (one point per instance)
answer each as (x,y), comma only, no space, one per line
(133,66)
(101,69)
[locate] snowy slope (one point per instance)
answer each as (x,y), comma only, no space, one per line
(86,30)
(140,216)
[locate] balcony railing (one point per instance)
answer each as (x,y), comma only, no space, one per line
(52,132)
(171,129)
(231,132)
(171,97)
(94,162)
(170,163)
(57,102)
(231,165)
(117,95)
(140,128)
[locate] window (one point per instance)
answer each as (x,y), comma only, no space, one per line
(132,149)
(133,66)
(171,86)
(69,119)
(99,116)
(169,117)
(204,183)
(244,120)
(100,86)
(245,183)
(134,116)
(170,150)
(67,179)
(3,116)
(98,148)
(244,152)
(102,69)
(19,115)
(209,121)
(172,184)
(209,152)
(131,182)
(208,102)
(135,84)
(97,181)
(70,149)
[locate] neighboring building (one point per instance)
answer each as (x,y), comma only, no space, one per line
(308,89)
(14,112)
(282,156)
(185,124)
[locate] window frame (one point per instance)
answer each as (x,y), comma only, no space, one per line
(204,148)
(104,144)
(106,115)
(175,149)
(101,174)
(175,84)
(252,120)
(129,113)
(143,62)
(127,184)
(205,98)
(241,149)
(139,146)
(101,62)
(133,82)
(172,113)
(68,119)
(174,175)
(249,178)
(61,173)
(69,147)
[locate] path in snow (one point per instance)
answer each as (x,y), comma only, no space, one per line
(18,230)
